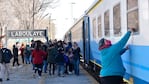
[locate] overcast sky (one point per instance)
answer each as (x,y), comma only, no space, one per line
(65,11)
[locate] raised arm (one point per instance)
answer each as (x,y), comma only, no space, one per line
(120,44)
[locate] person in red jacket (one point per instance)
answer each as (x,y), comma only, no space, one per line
(22,50)
(38,56)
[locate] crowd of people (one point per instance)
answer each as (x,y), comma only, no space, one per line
(53,57)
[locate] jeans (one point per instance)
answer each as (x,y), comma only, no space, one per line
(76,67)
(60,68)
(45,64)
(27,59)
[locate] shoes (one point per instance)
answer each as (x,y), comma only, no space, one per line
(39,77)
(14,67)
(20,66)
(1,80)
(63,75)
(7,79)
(34,76)
(69,72)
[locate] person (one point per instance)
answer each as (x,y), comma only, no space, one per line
(15,54)
(5,57)
(112,70)
(32,48)
(22,52)
(70,56)
(45,63)
(2,68)
(38,56)
(60,61)
(51,58)
(66,58)
(27,54)
(76,58)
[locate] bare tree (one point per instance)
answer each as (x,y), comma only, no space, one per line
(5,16)
(29,11)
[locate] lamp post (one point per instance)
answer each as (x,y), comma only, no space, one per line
(72,18)
(51,27)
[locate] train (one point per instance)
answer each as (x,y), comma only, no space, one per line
(111,19)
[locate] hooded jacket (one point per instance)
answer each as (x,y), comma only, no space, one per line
(111,58)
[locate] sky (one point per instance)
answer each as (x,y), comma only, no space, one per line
(63,13)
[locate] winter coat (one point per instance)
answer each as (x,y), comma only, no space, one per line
(15,52)
(76,53)
(111,58)
(38,56)
(27,52)
(60,58)
(52,52)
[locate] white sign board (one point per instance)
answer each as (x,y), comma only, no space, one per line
(26,33)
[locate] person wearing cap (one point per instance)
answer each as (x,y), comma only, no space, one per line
(112,70)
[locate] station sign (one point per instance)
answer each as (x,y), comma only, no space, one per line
(25,33)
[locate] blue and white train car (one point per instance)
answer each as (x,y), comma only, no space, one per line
(111,19)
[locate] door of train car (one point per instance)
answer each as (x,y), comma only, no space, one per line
(86,39)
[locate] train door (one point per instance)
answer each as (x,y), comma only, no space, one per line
(86,39)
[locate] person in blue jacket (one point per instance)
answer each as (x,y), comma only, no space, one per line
(112,70)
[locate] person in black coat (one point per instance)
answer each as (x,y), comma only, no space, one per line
(15,55)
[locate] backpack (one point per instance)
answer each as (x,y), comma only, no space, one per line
(7,55)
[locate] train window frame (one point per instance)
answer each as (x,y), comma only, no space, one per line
(107,23)
(117,22)
(99,27)
(94,28)
(131,4)
(133,15)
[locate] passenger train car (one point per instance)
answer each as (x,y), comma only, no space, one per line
(111,19)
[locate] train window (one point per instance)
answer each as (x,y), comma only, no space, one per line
(132,14)
(106,24)
(99,27)
(131,4)
(117,20)
(94,28)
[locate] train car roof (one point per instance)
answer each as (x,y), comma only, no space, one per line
(75,23)
(93,6)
